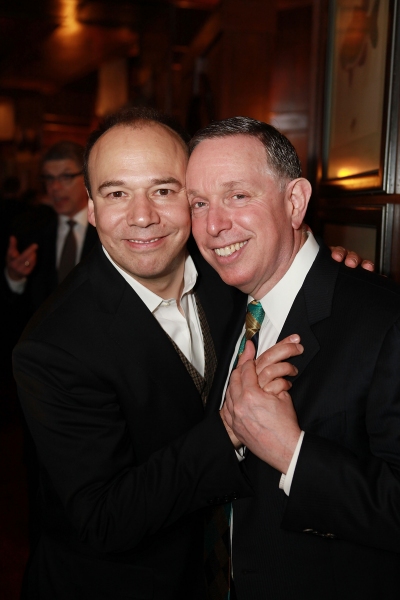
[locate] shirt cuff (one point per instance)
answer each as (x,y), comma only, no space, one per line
(241,453)
(18,287)
(285,482)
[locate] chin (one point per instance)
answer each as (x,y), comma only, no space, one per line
(234,281)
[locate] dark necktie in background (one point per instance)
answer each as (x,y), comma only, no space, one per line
(68,254)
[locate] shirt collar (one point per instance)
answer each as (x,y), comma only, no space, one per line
(80,218)
(278,302)
(150,299)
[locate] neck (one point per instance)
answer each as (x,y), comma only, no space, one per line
(299,239)
(169,285)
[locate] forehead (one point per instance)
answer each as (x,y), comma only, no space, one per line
(147,146)
(236,153)
(60,166)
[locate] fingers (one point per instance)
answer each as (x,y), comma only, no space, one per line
(270,378)
(249,353)
(20,265)
(352,259)
(243,378)
(12,250)
(282,351)
(338,253)
(368,265)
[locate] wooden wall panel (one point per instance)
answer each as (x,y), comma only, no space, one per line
(291,77)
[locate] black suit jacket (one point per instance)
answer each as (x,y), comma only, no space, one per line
(44,279)
(127,459)
(337,535)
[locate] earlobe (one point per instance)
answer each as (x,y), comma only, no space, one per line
(91,214)
(300,192)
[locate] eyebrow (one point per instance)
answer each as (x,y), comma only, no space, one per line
(228,185)
(110,183)
(154,181)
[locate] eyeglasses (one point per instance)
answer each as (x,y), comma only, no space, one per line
(64,178)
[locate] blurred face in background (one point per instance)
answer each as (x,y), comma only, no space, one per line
(65,186)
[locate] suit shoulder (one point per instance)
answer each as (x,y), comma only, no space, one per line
(379,295)
(373,281)
(71,296)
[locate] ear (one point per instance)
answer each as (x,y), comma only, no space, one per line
(299,192)
(91,213)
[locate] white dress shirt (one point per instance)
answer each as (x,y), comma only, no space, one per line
(184,329)
(18,287)
(277,304)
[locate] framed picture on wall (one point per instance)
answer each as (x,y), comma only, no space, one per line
(361,105)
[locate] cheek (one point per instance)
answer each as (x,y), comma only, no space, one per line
(198,230)
(179,217)
(108,220)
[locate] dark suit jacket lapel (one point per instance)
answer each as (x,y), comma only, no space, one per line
(225,309)
(222,372)
(312,304)
(140,336)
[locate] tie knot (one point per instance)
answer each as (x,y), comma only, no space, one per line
(254,318)
(71,223)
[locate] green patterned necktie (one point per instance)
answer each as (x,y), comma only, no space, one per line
(254,318)
(217,563)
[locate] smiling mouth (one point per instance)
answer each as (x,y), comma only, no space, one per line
(144,241)
(228,250)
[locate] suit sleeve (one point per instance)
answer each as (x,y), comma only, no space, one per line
(84,444)
(338,492)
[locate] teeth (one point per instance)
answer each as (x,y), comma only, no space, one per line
(144,241)
(228,250)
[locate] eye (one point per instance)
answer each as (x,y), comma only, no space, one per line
(198,206)
(239,196)
(117,194)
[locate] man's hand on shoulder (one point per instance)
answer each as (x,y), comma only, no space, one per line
(351,259)
(20,264)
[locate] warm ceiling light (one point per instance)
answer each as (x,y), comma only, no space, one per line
(68,15)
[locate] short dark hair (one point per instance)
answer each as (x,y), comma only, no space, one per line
(131,117)
(281,155)
(65,150)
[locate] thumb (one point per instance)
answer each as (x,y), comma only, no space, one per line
(249,353)
(12,247)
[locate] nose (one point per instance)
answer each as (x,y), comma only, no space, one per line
(141,212)
(54,185)
(218,220)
